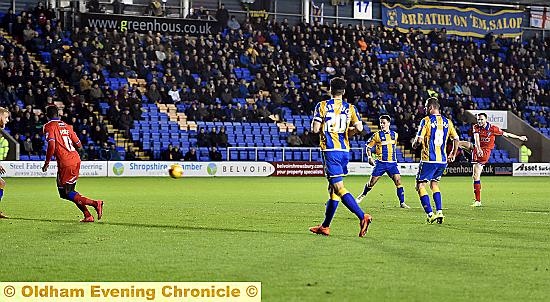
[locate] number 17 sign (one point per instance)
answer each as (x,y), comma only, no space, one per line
(362,10)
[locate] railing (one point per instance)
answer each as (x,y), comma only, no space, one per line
(285,150)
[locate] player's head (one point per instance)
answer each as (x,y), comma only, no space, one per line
(432,105)
(385,122)
(337,87)
(4,117)
(481,119)
(52,112)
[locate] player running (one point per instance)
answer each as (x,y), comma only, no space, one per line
(62,141)
(335,119)
(385,141)
(4,119)
(433,132)
(484,142)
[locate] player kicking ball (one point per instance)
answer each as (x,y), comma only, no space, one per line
(4,119)
(385,141)
(62,141)
(484,143)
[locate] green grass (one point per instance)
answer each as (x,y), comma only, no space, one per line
(256,229)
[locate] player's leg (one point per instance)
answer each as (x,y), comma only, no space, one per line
(96,204)
(67,177)
(466,145)
(436,193)
(65,193)
(353,206)
(368,186)
(425,172)
(331,206)
(338,163)
(476,176)
(2,186)
(400,191)
(394,174)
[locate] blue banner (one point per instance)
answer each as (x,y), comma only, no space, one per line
(457,21)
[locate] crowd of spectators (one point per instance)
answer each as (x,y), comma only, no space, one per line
(287,69)
(26,89)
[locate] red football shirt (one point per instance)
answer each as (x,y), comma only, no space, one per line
(64,140)
(487,135)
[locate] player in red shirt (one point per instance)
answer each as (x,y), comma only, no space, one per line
(4,119)
(484,142)
(62,142)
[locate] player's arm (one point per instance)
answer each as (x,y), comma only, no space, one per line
(477,144)
(357,124)
(50,140)
(317,119)
(522,138)
(371,143)
(454,136)
(419,134)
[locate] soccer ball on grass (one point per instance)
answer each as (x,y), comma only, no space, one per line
(175,171)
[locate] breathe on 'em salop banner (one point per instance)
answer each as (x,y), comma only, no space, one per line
(457,21)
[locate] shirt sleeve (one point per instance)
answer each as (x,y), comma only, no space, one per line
(48,133)
(372,140)
(452,131)
(474,129)
(317,113)
(421,128)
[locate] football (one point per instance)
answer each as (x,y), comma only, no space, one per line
(175,171)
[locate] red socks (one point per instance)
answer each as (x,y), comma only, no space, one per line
(85,200)
(477,189)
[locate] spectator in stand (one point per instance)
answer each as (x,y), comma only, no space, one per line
(126,121)
(214,154)
(294,140)
(222,15)
(38,144)
(233,24)
(153,94)
(130,155)
(203,138)
(92,152)
(118,7)
(174,95)
(222,139)
(191,155)
(104,152)
(213,138)
(176,154)
(308,139)
(113,153)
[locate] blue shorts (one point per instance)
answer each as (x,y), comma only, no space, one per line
(385,167)
(430,171)
(336,165)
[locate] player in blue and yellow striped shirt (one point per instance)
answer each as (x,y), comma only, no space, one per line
(335,120)
(433,132)
(385,141)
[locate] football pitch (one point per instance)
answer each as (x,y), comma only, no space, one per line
(256,229)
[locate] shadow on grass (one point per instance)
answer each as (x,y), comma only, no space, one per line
(158,226)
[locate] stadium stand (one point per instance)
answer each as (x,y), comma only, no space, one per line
(260,83)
